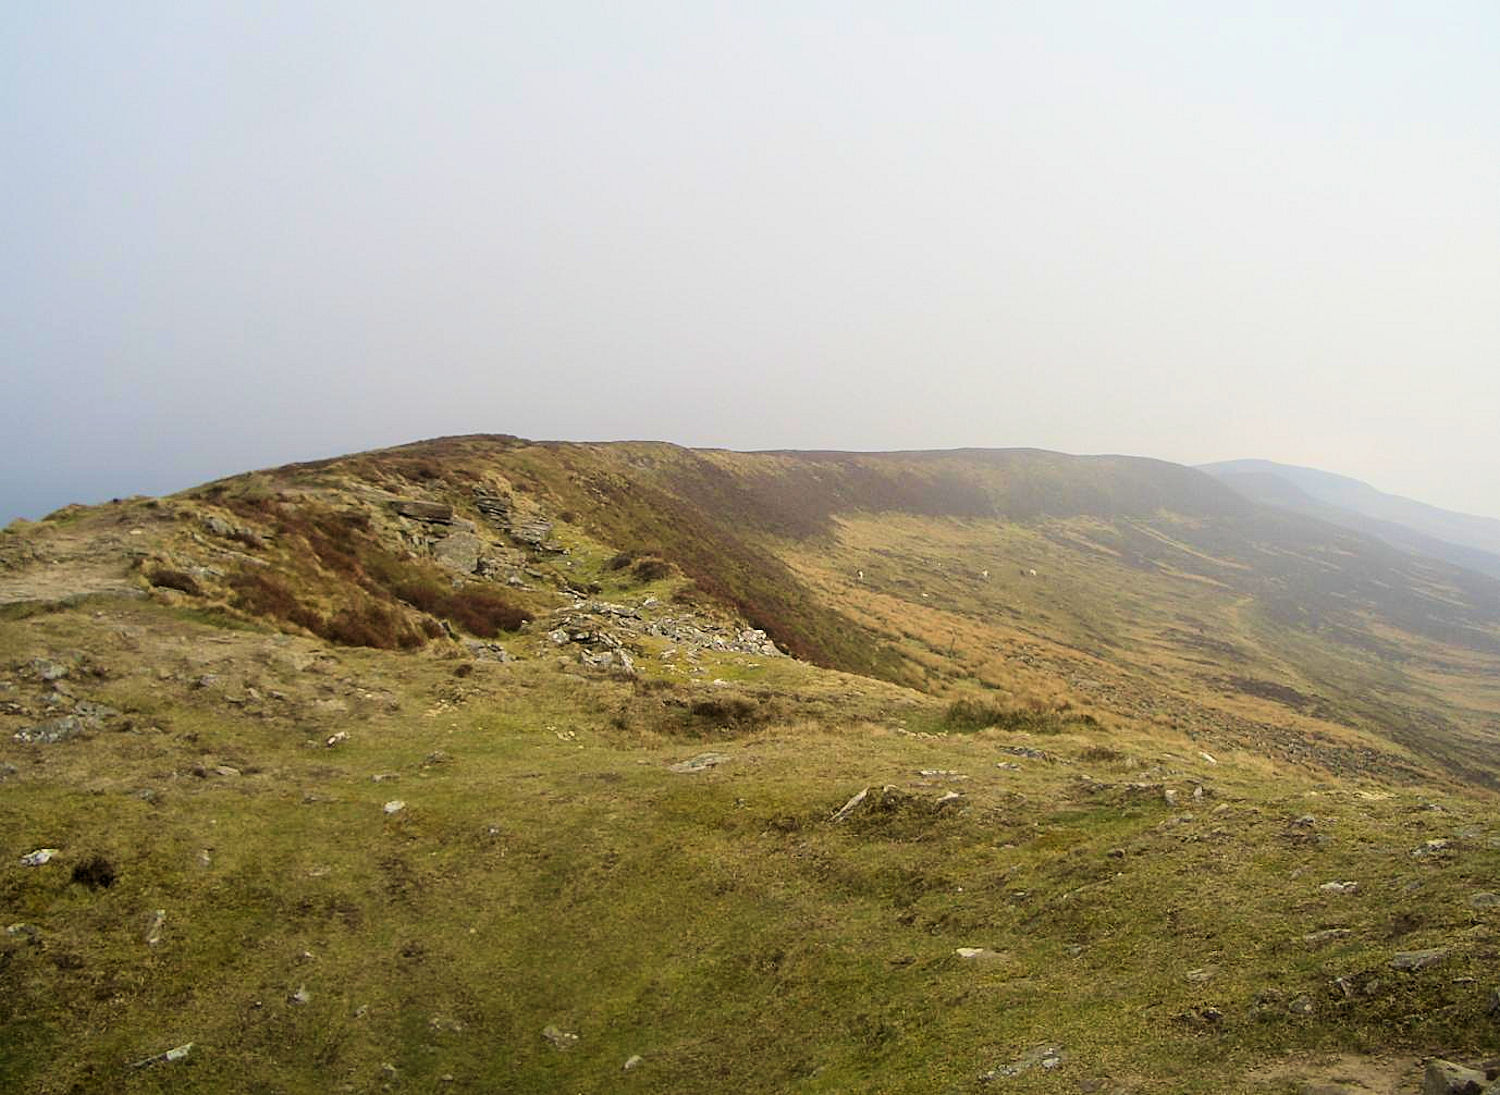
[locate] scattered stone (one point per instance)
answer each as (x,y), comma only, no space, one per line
(384,777)
(1302,1005)
(395,806)
(1202,975)
(1339,887)
(228,771)
(1169,796)
(1208,758)
(436,757)
(441,1023)
(560,1039)
(301,997)
(153,929)
(336,739)
(487,652)
(48,670)
(1431,848)
(1306,821)
(1485,900)
(1043,1057)
(853,804)
(38,857)
(177,1053)
(700,763)
(633,1062)
(1446,1078)
(50,732)
(1418,960)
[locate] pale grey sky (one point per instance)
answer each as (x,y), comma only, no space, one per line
(239,235)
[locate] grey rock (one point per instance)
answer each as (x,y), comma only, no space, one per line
(1044,1057)
(1418,960)
(38,858)
(853,804)
(702,762)
(459,552)
(301,997)
(560,1039)
(48,670)
(493,506)
(436,513)
(1339,887)
(1446,1078)
(1485,900)
(395,806)
(487,652)
(50,732)
(633,1062)
(176,1053)
(94,712)
(1431,848)
(1202,975)
(533,532)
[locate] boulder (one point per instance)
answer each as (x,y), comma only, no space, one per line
(459,552)
(1447,1078)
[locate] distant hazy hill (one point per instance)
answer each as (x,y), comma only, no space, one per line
(1460,538)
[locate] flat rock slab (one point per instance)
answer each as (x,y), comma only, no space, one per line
(701,763)
(1417,960)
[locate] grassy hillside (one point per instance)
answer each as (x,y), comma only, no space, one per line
(462,766)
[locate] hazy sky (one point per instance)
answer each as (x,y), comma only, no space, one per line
(235,236)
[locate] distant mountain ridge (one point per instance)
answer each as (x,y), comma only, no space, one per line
(1466,540)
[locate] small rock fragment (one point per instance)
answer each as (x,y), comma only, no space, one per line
(336,739)
(1202,975)
(38,857)
(1327,935)
(301,997)
(153,929)
(633,1062)
(560,1039)
(395,806)
(176,1053)
(852,805)
(975,954)
(1485,900)
(1339,887)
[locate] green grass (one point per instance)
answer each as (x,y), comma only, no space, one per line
(552,870)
